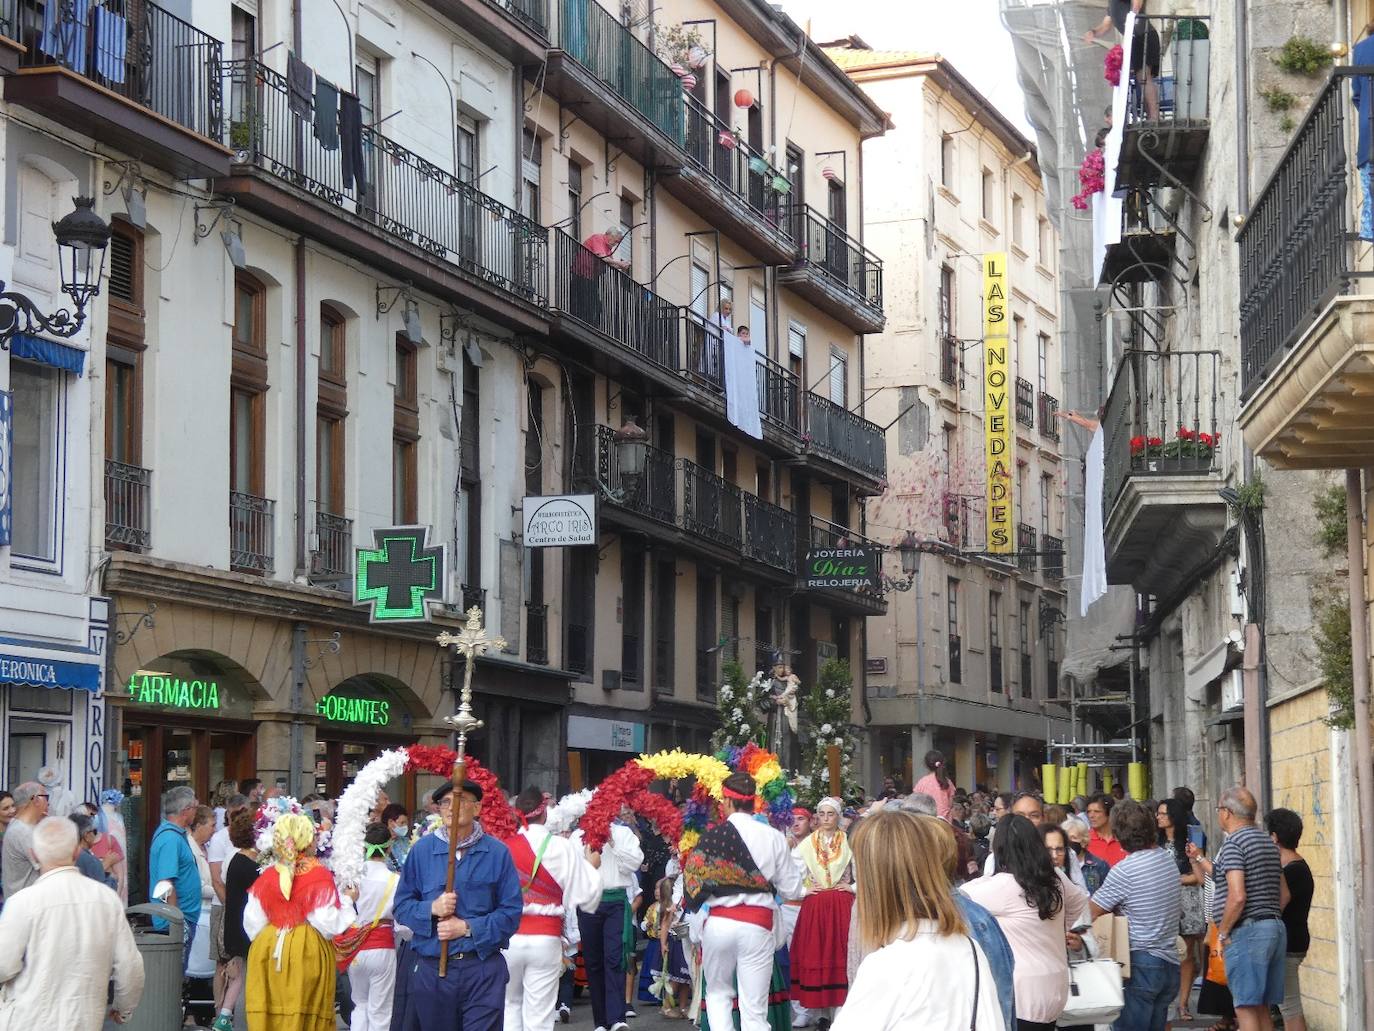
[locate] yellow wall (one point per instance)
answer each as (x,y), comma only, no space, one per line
(1301,771)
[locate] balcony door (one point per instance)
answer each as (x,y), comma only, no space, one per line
(369,104)
(836,248)
(468,172)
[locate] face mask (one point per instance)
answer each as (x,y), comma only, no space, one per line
(400,831)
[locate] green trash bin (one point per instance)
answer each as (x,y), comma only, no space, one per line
(162,952)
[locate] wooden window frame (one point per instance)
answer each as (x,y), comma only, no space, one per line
(248,375)
(130,358)
(327,421)
(332,340)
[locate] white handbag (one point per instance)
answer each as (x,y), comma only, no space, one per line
(1095,993)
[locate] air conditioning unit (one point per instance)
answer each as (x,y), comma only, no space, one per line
(1233,691)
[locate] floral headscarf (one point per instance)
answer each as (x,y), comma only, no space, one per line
(292,835)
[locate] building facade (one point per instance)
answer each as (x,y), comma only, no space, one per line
(346,289)
(966,659)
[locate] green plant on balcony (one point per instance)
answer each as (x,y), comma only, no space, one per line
(681,45)
(241,134)
(1303,55)
(1187,443)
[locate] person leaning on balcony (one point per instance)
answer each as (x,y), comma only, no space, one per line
(587,269)
(1145,49)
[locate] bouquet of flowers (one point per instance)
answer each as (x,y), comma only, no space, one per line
(1111,67)
(1092,173)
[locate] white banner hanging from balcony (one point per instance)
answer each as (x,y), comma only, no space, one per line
(562,521)
(742,385)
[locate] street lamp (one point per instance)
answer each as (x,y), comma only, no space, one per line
(909,551)
(82,237)
(632,453)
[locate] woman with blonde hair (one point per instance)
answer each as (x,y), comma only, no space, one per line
(908,916)
(292,914)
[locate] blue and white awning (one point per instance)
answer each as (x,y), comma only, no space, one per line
(81,672)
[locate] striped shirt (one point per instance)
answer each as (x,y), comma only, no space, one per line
(1254,853)
(1144,887)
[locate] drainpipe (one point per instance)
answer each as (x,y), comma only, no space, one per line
(302,557)
(297,744)
(1364,739)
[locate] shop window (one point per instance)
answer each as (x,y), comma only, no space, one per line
(39,463)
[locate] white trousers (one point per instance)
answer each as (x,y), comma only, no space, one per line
(535,962)
(372,977)
(734,951)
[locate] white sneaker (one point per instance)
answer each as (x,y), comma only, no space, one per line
(564,1014)
(620,1025)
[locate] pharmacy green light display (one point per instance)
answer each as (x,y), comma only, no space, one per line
(400,576)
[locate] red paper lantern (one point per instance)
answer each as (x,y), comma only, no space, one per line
(743,98)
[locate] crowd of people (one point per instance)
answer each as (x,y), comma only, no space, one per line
(820,926)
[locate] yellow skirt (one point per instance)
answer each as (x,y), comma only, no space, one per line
(299,996)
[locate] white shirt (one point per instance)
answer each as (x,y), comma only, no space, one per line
(566,864)
(218,849)
(885,996)
(328,920)
(378,884)
(773,858)
(62,940)
(620,859)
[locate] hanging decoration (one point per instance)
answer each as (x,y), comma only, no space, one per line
(782,185)
(1111,65)
(727,139)
(742,706)
(829,174)
(757,165)
(743,98)
(1093,175)
(772,797)
(629,786)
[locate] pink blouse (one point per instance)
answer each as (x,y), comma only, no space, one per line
(944,797)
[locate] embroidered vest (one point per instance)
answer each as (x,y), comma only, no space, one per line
(719,866)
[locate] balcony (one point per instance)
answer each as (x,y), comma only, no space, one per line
(1307,298)
(516,29)
(617,85)
(680,503)
(411,218)
(835,272)
(10,48)
(822,533)
(1146,249)
(1025,403)
(1049,416)
(779,396)
(841,438)
(537,634)
(129,74)
(128,507)
(251,533)
(630,330)
(733,187)
(335,551)
(951,362)
(1164,515)
(1168,148)
(1026,555)
(1052,548)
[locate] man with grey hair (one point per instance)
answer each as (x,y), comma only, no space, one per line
(16,864)
(63,943)
(918,802)
(1247,902)
(173,876)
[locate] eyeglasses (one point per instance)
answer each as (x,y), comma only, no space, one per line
(44,797)
(1057,850)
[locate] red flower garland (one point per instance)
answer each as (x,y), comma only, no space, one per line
(498,819)
(628,786)
(1111,67)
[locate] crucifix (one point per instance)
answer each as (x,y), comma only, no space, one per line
(470,642)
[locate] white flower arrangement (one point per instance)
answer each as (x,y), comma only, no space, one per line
(826,728)
(561,818)
(725,692)
(830,692)
(355,804)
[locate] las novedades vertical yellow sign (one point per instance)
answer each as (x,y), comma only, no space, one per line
(997,404)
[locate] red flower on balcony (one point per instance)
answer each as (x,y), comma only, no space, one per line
(1184,433)
(1092,173)
(1137,445)
(1111,66)
(1156,442)
(1206,438)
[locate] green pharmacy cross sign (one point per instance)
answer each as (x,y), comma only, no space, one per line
(400,576)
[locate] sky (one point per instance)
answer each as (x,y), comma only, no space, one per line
(968,33)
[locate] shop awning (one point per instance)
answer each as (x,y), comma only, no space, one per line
(44,672)
(48,352)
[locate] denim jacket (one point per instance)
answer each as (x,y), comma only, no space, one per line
(984,930)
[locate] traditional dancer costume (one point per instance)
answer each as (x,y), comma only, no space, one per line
(604,931)
(820,944)
(554,878)
(293,911)
(732,874)
(367,950)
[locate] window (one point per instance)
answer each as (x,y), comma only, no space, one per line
(243,34)
(1042,245)
(632,611)
(707,642)
(124,346)
(665,621)
(331,345)
(1051,666)
(250,333)
(796,340)
(248,388)
(469,439)
(38,452)
(955,645)
(369,107)
(995,641)
(405,437)
(839,378)
(758,318)
(575,200)
(1046,487)
(947,162)
(946,302)
(1043,357)
(530,173)
(1024,646)
(469,156)
(1016,213)
(989,194)
(701,280)
(330,412)
(947,451)
(1018,325)
(329,478)
(122,440)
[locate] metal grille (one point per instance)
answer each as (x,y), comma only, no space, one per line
(128,506)
(779,393)
(336,544)
(1025,547)
(537,634)
(1049,418)
(655,495)
(768,533)
(251,532)
(1025,403)
(735,165)
(711,506)
(1053,549)
(845,436)
(828,248)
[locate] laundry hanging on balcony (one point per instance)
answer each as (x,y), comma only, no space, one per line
(300,85)
(741,385)
(64,33)
(353,161)
(111,43)
(1094,583)
(1363,96)
(326,113)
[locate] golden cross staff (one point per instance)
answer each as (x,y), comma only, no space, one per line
(470,642)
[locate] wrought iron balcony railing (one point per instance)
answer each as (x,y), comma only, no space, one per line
(1053,550)
(951,364)
(715,148)
(403,194)
(832,251)
(613,303)
(769,531)
(537,634)
(655,495)
(1161,417)
(1298,246)
(845,436)
(336,544)
(128,506)
(1049,417)
(1183,45)
(1025,403)
(533,14)
(133,48)
(1025,548)
(779,394)
(593,37)
(712,507)
(251,532)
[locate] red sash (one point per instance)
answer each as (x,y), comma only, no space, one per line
(759,916)
(538,890)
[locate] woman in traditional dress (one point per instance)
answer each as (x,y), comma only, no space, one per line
(293,913)
(820,944)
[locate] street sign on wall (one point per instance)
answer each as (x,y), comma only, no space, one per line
(401,576)
(563,521)
(845,568)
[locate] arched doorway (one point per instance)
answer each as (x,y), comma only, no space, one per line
(357,720)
